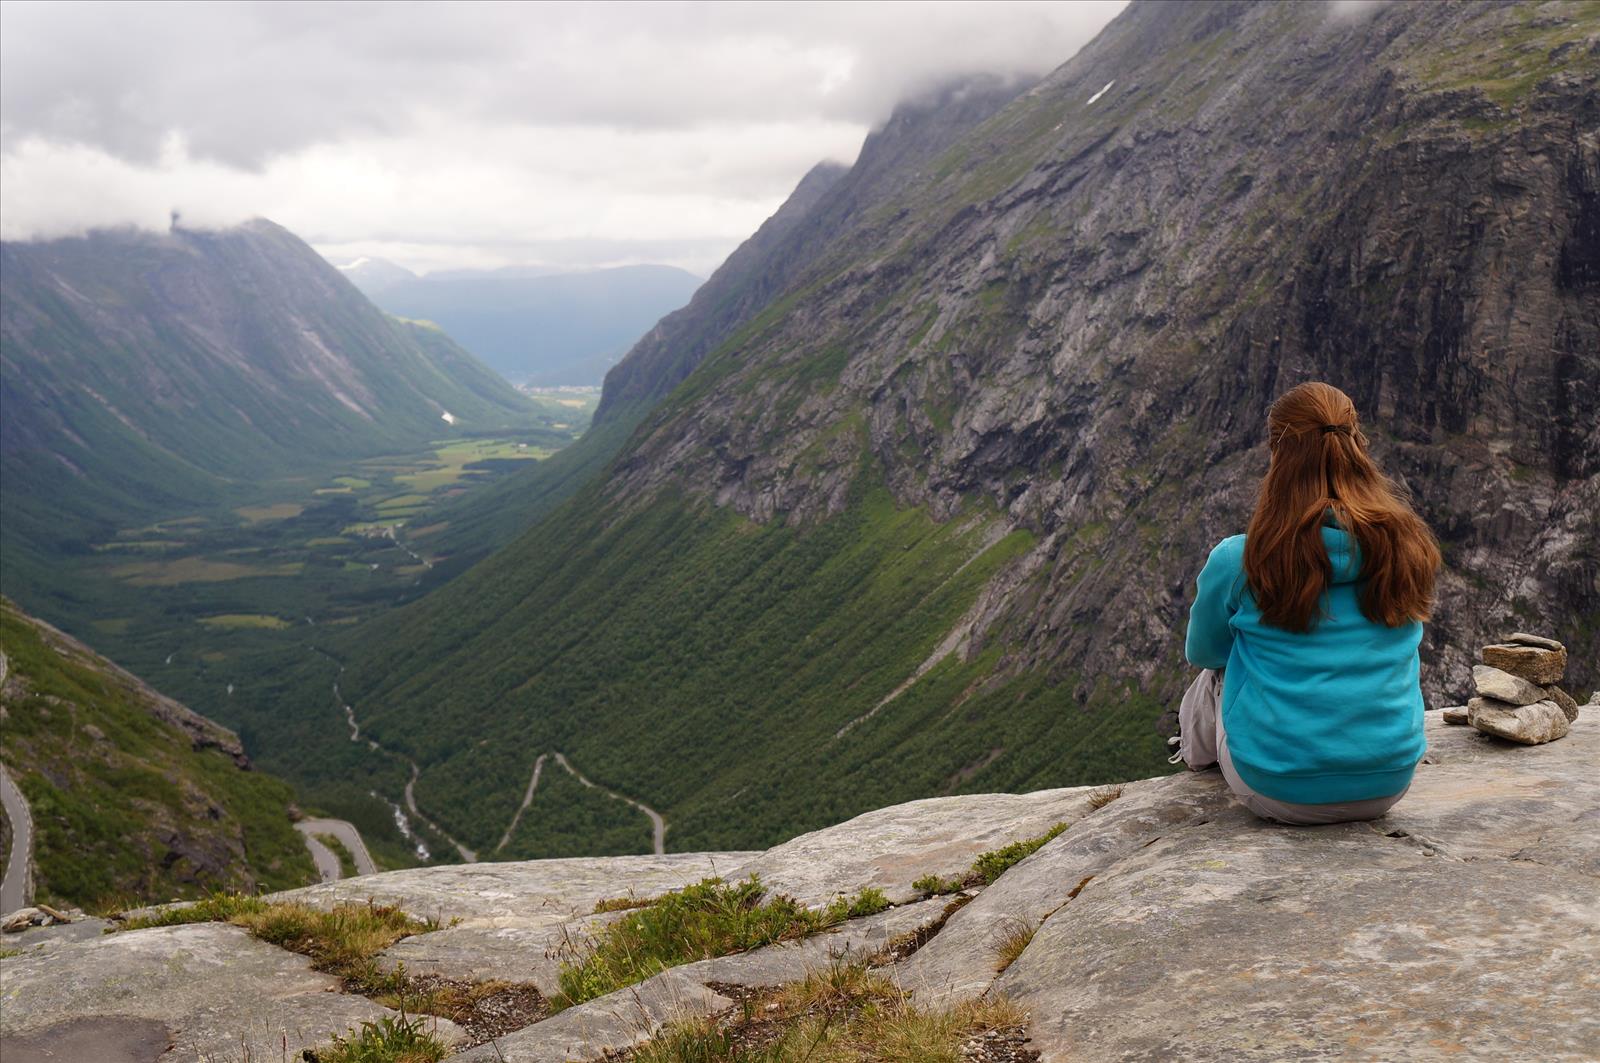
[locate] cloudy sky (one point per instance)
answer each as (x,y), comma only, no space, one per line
(462,134)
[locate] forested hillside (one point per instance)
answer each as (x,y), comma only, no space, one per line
(133,797)
(926,521)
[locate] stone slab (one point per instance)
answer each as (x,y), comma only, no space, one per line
(891,847)
(531,954)
(1536,664)
(1218,943)
(1530,725)
(526,893)
(1503,686)
(37,938)
(219,993)
(959,963)
(629,1017)
(1475,797)
(1569,704)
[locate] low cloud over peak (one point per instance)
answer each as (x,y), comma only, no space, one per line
(462,128)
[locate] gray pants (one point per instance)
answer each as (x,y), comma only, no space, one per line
(1204,743)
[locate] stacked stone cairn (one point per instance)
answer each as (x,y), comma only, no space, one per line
(1518,698)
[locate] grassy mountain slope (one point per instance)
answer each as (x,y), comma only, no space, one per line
(133,796)
(145,373)
(964,464)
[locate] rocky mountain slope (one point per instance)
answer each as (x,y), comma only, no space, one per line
(565,328)
(757,272)
(1160,920)
(927,521)
(131,793)
(145,372)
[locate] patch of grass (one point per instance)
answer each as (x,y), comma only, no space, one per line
(1102,797)
(388,1040)
(6,954)
(347,862)
(277,511)
(342,941)
(1011,937)
(195,570)
(935,884)
(710,918)
(870,901)
(991,865)
(996,862)
(234,621)
(621,904)
(846,1014)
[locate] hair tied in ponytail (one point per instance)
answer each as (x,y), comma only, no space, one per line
(1285,560)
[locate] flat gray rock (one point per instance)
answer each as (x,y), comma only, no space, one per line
(1473,798)
(960,962)
(1218,943)
(1531,725)
(218,992)
(526,893)
(891,847)
(1503,686)
(37,938)
(531,954)
(631,1016)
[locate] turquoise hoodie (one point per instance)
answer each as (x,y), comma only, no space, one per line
(1333,714)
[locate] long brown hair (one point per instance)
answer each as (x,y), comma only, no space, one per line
(1320,464)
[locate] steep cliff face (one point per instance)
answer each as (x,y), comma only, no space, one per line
(760,270)
(1079,316)
(928,520)
(774,260)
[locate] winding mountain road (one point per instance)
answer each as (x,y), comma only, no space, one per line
(527,799)
(326,859)
(16,885)
(657,821)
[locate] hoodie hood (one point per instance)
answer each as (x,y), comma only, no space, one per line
(1344,554)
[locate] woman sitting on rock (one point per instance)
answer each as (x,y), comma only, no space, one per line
(1307,628)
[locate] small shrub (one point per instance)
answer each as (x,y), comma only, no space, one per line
(991,865)
(934,885)
(994,863)
(388,1040)
(870,901)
